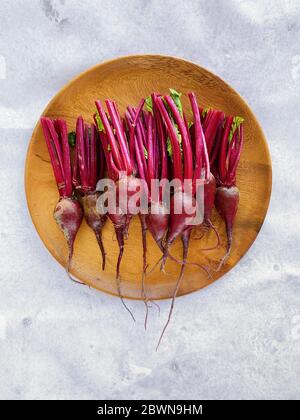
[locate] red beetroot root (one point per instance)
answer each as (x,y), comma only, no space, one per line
(226,202)
(95,220)
(68,214)
(209,200)
(157,223)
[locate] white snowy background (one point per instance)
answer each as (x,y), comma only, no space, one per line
(240,337)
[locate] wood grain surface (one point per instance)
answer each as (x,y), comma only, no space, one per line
(126,80)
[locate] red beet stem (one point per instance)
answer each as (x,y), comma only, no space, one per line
(57,144)
(156,153)
(93,157)
(110,138)
(233,164)
(187,150)
(139,148)
(212,122)
(75,178)
(132,126)
(56,165)
(87,146)
(198,139)
(136,139)
(116,121)
(63,132)
(177,163)
(223,150)
(139,161)
(82,155)
(161,144)
(186,123)
(131,130)
(100,153)
(141,129)
(112,170)
(216,145)
(151,150)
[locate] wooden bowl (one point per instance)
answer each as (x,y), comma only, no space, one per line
(126,80)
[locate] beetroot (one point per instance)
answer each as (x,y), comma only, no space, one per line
(180,222)
(146,146)
(150,155)
(227,201)
(227,194)
(209,131)
(68,212)
(157,222)
(95,220)
(157,218)
(88,169)
(68,215)
(118,153)
(177,222)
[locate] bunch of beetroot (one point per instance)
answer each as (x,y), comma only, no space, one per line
(140,152)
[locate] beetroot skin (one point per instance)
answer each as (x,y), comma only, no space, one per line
(94,220)
(226,202)
(157,222)
(68,214)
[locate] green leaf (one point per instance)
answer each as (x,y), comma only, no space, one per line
(145,152)
(72,138)
(205,112)
(169,144)
(237,121)
(149,104)
(190,123)
(169,147)
(167,108)
(99,122)
(176,98)
(178,135)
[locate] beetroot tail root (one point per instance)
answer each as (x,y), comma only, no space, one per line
(185,237)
